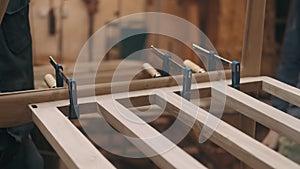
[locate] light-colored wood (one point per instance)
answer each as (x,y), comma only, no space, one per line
(234,141)
(16,102)
(262,113)
(252,52)
(50,81)
(69,143)
(237,143)
(151,70)
(136,128)
(253,37)
(279,89)
(195,68)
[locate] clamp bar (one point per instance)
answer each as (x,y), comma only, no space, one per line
(167,60)
(235,66)
(58,68)
(186,71)
(207,52)
(72,88)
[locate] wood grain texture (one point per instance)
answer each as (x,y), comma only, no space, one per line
(263,113)
(279,89)
(252,52)
(69,143)
(14,106)
(234,141)
(150,141)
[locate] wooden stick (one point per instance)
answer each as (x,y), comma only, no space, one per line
(151,70)
(195,68)
(50,81)
(173,158)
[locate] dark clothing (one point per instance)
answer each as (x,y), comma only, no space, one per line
(289,68)
(16,73)
(21,156)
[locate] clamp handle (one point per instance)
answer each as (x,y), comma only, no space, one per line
(187,83)
(236,74)
(73,106)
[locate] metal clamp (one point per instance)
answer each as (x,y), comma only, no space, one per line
(235,66)
(72,88)
(186,71)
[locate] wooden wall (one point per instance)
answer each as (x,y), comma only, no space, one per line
(221,20)
(75,25)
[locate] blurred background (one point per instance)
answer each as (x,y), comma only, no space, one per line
(60,28)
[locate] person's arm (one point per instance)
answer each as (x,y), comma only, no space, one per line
(271,140)
(3,6)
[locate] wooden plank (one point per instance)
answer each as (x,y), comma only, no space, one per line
(253,37)
(239,144)
(234,141)
(279,89)
(16,103)
(263,113)
(172,158)
(69,143)
(252,52)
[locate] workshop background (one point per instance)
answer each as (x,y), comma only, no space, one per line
(60,28)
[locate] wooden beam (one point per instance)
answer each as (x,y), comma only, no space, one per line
(279,89)
(253,37)
(252,52)
(263,113)
(16,103)
(69,143)
(232,140)
(172,158)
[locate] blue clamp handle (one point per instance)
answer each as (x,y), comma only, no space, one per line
(73,106)
(236,71)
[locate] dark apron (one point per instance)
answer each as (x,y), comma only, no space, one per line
(16,71)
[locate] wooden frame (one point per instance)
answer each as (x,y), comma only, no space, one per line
(231,139)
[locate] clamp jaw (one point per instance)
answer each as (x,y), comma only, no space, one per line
(72,88)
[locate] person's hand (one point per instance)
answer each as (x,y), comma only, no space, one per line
(271,140)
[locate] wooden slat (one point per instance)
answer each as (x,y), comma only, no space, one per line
(234,141)
(286,92)
(71,145)
(263,113)
(173,158)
